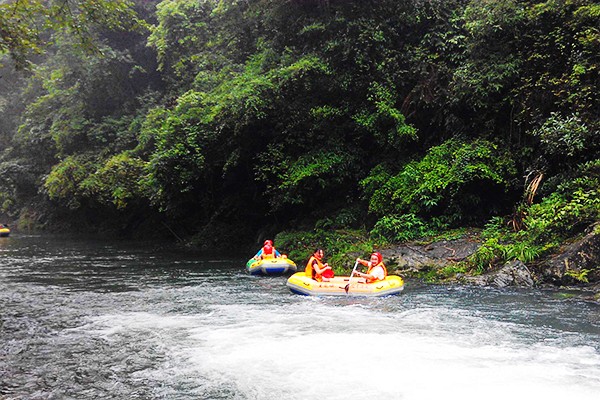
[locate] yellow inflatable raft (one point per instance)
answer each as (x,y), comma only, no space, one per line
(4,231)
(270,266)
(299,283)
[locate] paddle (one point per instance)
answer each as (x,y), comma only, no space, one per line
(351,274)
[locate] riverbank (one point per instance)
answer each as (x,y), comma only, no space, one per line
(573,269)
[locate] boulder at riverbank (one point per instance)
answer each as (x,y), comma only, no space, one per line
(513,273)
(577,263)
(576,266)
(413,258)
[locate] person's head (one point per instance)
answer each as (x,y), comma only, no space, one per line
(318,253)
(268,246)
(376,257)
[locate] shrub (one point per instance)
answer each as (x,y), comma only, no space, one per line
(401,228)
(562,214)
(452,181)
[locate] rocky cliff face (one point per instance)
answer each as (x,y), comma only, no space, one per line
(575,265)
(415,258)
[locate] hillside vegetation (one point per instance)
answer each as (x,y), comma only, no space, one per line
(228,121)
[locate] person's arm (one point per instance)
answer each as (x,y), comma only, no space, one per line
(257,256)
(363,262)
(277,253)
(320,270)
(375,273)
(362,275)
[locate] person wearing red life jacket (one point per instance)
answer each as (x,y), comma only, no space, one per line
(267,251)
(376,268)
(316,269)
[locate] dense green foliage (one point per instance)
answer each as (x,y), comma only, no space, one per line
(452,183)
(231,120)
(565,213)
(27,25)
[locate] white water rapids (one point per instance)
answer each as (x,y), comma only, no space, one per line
(90,320)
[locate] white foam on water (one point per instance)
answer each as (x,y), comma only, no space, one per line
(315,350)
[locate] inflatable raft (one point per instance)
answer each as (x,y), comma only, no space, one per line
(299,283)
(4,231)
(270,266)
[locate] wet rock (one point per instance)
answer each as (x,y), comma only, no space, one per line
(513,273)
(577,263)
(412,257)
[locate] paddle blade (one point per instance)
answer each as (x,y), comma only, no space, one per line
(346,288)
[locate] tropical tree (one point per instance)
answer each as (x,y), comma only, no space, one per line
(26,26)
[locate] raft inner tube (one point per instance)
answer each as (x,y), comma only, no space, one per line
(299,283)
(270,266)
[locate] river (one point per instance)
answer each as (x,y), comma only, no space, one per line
(102,319)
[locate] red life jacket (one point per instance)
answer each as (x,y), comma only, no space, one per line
(268,252)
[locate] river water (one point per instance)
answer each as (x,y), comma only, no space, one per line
(93,319)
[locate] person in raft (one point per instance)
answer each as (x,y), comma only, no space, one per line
(376,268)
(316,269)
(267,251)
